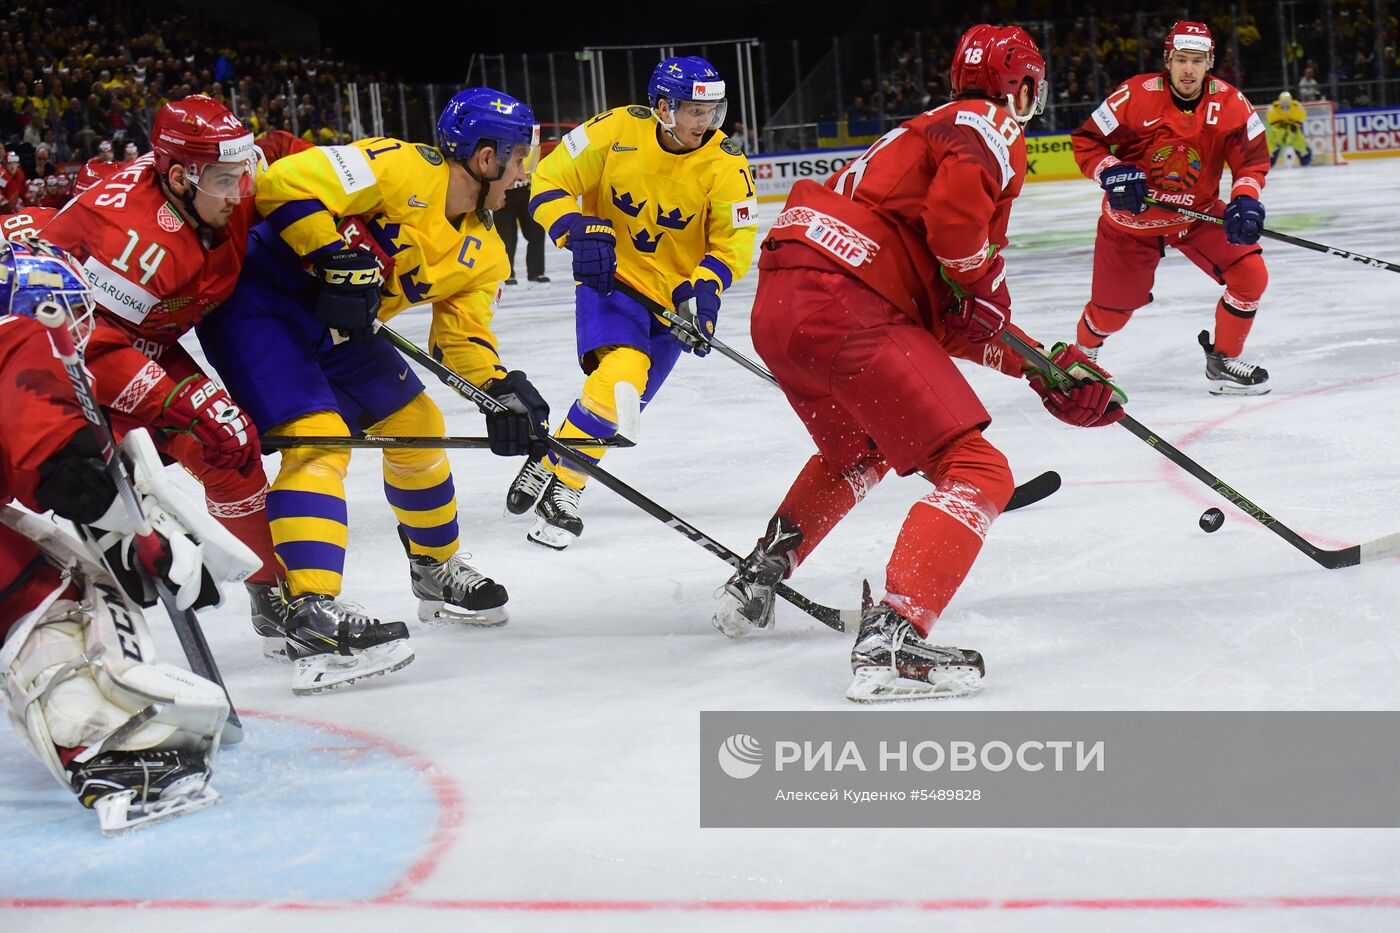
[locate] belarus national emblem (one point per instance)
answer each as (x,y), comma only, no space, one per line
(1175,167)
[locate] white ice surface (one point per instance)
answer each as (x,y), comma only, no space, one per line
(544,775)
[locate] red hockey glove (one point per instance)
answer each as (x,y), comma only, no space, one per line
(201,407)
(1092,403)
(981,309)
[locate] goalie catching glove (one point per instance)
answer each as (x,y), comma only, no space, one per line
(195,552)
(1091,402)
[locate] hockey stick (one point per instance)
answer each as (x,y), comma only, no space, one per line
(841,620)
(186,625)
(1283,237)
(1029,492)
(376,442)
(1378,549)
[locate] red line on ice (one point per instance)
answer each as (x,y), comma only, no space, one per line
(1388,902)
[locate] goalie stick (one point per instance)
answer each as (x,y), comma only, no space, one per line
(1027,493)
(1378,549)
(1283,237)
(842,620)
(186,625)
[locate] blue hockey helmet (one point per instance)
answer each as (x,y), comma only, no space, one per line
(688,78)
(36,276)
(482,115)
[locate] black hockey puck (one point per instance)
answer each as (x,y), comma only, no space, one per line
(1211,520)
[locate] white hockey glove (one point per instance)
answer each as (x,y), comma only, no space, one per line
(197,553)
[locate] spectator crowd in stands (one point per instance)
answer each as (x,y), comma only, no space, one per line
(1088,55)
(82,79)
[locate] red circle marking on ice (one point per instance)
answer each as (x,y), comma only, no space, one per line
(1192,489)
(451,811)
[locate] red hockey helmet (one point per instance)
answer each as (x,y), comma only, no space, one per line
(202,135)
(94,172)
(1190,37)
(996,60)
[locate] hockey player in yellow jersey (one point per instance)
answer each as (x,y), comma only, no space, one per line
(1286,117)
(355,234)
(658,207)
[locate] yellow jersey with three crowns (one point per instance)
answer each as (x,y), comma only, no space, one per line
(678,217)
(399,189)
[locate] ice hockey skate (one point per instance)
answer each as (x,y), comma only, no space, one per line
(332,644)
(526,488)
(1230,376)
(1091,352)
(269,611)
(749,595)
(455,591)
(891,662)
(559,519)
(129,790)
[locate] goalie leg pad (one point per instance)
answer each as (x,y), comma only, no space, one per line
(80,674)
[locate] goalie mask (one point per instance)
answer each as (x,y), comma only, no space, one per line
(36,277)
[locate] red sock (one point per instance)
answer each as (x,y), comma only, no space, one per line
(944,530)
(821,496)
(247,521)
(1096,324)
(1231,328)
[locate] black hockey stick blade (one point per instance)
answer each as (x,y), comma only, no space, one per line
(1378,549)
(1033,490)
(839,619)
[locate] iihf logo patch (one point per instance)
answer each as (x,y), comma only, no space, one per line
(168,219)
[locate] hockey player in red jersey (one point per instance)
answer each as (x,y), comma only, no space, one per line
(870,285)
(161,242)
(1167,135)
(84,711)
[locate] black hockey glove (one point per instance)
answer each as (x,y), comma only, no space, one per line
(348,300)
(74,481)
(522,429)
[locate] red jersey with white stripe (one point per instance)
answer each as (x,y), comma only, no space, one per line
(1182,152)
(27,223)
(39,415)
(152,275)
(934,193)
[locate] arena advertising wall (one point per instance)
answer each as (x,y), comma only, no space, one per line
(1366,134)
(1050,157)
(1047,158)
